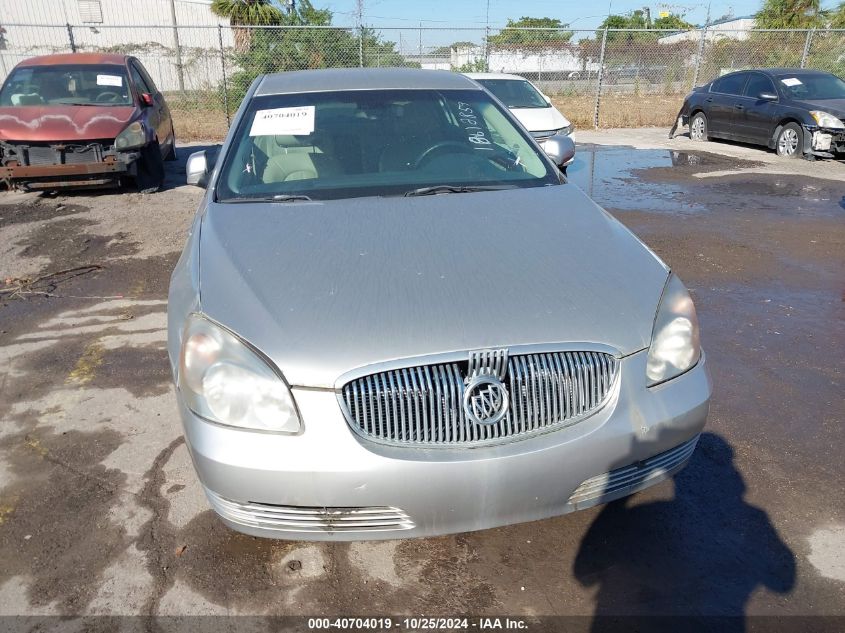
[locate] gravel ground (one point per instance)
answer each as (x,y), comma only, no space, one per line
(100,511)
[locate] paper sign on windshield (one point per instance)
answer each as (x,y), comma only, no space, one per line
(791,81)
(298,121)
(109,80)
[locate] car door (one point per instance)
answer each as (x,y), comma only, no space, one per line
(724,105)
(760,114)
(158,115)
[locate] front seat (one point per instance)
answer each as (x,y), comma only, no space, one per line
(291,159)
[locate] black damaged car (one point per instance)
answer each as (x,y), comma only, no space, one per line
(796,112)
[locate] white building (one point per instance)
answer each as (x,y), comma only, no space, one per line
(40,27)
(734,28)
(551,60)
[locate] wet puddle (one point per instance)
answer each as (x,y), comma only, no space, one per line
(664,181)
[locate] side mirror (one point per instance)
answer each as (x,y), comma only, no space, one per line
(197,170)
(147,99)
(768,96)
(547,98)
(561,149)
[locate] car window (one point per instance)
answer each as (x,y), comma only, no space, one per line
(515,93)
(757,85)
(729,84)
(67,84)
(140,83)
(812,86)
(151,85)
(375,143)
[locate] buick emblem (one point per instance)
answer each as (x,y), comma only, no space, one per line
(485,399)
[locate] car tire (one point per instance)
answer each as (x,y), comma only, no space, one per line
(171,153)
(698,127)
(150,175)
(790,141)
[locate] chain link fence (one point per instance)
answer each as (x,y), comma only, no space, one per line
(606,78)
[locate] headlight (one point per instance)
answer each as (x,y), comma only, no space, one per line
(825,119)
(675,346)
(224,381)
(133,136)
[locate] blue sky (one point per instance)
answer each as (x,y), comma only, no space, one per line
(471,13)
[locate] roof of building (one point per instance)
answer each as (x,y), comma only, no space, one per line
(75,58)
(335,79)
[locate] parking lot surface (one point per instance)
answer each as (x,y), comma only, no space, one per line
(100,511)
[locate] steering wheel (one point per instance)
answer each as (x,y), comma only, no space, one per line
(107,96)
(429,153)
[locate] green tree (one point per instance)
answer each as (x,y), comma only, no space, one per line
(837,17)
(272,50)
(790,14)
(555,35)
(246,13)
(672,21)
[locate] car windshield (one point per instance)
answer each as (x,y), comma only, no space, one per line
(100,85)
(515,93)
(330,145)
(812,86)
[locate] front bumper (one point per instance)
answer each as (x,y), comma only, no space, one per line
(824,142)
(328,484)
(63,164)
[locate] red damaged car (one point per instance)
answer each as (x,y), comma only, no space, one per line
(83,119)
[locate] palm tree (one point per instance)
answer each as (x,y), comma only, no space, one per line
(246,13)
(790,14)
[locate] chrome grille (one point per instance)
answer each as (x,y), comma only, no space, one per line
(629,479)
(423,405)
(310,519)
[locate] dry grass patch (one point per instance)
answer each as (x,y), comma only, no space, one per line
(621,110)
(199,124)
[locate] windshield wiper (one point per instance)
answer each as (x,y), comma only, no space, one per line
(282,197)
(430,191)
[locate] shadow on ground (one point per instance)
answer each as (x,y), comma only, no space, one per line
(704,553)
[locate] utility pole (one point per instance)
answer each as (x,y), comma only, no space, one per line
(487,39)
(179,70)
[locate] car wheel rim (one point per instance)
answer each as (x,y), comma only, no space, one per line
(788,142)
(698,129)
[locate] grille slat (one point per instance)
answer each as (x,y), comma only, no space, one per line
(423,405)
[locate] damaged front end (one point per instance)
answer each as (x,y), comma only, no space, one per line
(54,165)
(824,142)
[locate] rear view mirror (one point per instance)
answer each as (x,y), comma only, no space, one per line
(768,96)
(196,169)
(561,149)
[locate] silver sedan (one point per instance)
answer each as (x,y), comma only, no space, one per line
(393,317)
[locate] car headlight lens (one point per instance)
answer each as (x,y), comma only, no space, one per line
(224,381)
(131,137)
(675,346)
(825,119)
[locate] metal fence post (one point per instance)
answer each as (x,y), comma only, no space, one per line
(361,46)
(487,49)
(600,79)
(699,57)
(70,38)
(180,71)
(223,68)
(807,45)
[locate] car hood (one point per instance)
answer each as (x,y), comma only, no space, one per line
(540,119)
(63,123)
(836,107)
(326,287)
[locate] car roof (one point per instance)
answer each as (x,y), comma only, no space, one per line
(336,79)
(778,71)
(75,58)
(493,76)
